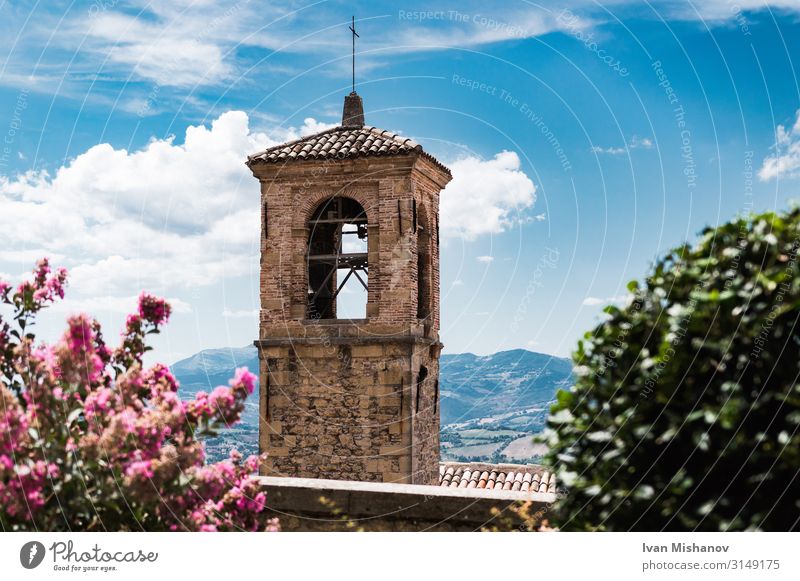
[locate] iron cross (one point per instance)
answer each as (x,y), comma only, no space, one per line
(355,34)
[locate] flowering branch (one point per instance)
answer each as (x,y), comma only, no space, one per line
(91,439)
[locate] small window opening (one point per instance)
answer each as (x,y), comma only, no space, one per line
(423,264)
(421,376)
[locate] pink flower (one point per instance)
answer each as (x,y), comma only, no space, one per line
(47,355)
(153,309)
(141,470)
(24,287)
(132,321)
(80,335)
(199,406)
(42,269)
(161,379)
(245,379)
(221,398)
(97,403)
(56,283)
(46,285)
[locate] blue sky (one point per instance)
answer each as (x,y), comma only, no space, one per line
(585,138)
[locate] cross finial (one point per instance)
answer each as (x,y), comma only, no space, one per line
(355,34)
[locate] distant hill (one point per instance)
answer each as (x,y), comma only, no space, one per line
(491,405)
(475,386)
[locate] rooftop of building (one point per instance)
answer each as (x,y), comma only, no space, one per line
(351,139)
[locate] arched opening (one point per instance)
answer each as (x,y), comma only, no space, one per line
(337,260)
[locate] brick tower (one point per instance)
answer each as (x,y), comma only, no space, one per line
(352,399)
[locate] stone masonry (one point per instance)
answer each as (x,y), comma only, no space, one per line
(351,399)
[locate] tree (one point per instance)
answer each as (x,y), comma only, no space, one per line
(686,407)
(92,439)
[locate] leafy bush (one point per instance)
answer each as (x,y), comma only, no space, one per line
(90,439)
(686,410)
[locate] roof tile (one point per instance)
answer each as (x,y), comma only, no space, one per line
(522,478)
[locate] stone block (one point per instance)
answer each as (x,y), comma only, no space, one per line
(367,351)
(394,450)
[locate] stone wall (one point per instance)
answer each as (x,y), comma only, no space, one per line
(343,408)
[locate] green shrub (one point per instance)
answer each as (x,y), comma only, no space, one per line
(686,407)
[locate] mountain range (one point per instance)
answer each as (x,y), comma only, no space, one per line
(491,405)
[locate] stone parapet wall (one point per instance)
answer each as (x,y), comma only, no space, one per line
(304,504)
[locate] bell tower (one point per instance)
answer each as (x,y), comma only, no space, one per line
(352,399)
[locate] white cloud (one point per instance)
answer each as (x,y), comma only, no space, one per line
(112,304)
(612,300)
(182,45)
(785,159)
(172,216)
(175,215)
(633,143)
(166,216)
(722,9)
(608,150)
(484,259)
(240,314)
(593,301)
(173,44)
(485,196)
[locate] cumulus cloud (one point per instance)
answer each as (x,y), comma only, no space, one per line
(168,215)
(485,196)
(177,214)
(785,159)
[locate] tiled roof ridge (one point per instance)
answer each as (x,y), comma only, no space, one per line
(326,144)
(500,465)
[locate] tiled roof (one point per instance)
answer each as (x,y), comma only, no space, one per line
(340,143)
(522,478)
